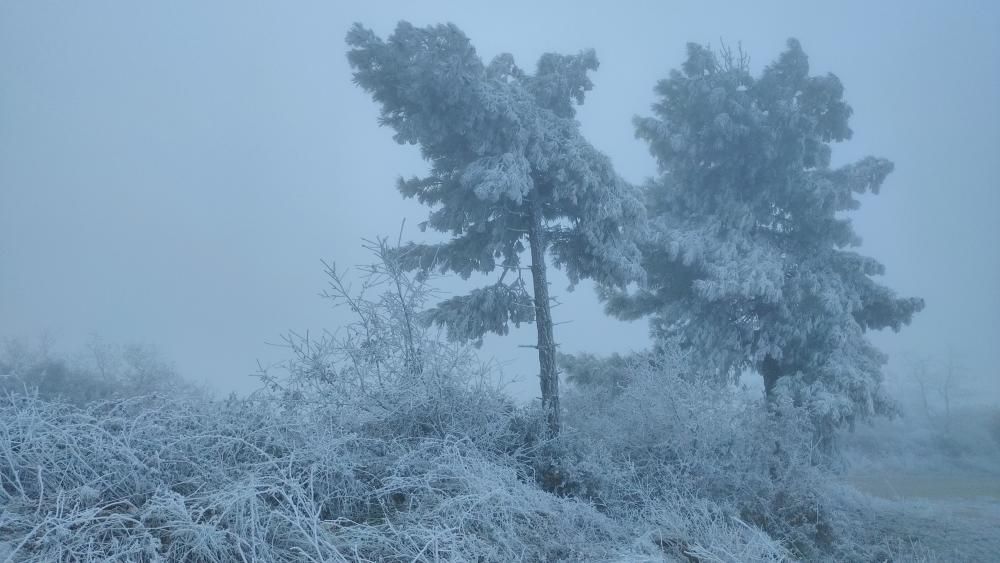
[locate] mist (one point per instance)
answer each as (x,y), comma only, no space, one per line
(174,175)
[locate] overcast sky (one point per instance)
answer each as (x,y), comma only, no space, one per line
(173,172)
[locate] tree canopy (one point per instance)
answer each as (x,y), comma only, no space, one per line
(751,261)
(509,172)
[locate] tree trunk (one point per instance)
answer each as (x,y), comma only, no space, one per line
(549,377)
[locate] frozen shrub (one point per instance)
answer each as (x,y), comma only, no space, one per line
(666,435)
(157,479)
(466,507)
(386,362)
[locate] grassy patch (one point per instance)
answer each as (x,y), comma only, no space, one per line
(896,485)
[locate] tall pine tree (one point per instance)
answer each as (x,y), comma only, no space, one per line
(509,172)
(750,264)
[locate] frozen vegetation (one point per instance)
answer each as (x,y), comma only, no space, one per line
(388,440)
(352,452)
(450,470)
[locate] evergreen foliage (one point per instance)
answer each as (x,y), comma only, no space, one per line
(750,262)
(509,172)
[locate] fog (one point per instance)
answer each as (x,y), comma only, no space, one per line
(173,173)
(175,176)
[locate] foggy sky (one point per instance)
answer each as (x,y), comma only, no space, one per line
(173,173)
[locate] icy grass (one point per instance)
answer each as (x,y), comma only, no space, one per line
(665,470)
(156,479)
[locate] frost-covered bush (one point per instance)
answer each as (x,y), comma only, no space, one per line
(389,373)
(668,439)
(155,479)
(165,479)
(384,362)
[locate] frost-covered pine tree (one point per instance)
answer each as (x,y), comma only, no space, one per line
(751,263)
(509,172)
